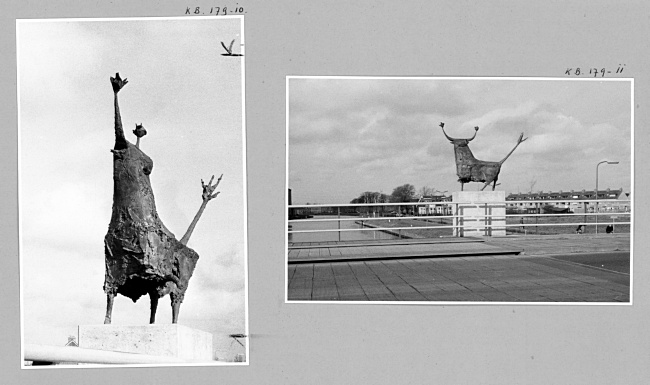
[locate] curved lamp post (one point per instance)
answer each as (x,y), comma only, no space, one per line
(599,163)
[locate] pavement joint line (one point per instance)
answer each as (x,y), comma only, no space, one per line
(585,265)
(404,256)
(576,252)
(417,241)
(401,280)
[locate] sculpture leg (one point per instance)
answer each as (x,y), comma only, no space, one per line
(494,185)
(154,306)
(109,308)
(176,306)
(461,186)
(485,185)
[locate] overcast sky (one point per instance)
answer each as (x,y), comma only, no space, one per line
(348,135)
(189,98)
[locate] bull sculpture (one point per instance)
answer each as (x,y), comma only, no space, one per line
(470,169)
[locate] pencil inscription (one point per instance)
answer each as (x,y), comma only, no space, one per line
(593,71)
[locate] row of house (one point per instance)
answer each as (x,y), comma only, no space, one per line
(431,208)
(613,200)
(553,201)
(533,202)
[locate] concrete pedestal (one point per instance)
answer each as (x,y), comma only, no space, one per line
(159,340)
(472,208)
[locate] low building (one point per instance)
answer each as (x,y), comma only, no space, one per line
(432,208)
(569,200)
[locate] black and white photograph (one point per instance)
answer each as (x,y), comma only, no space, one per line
(459,190)
(324,192)
(123,263)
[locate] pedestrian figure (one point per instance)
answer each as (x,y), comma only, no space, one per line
(579,229)
(609,229)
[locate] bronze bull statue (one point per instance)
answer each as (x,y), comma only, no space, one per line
(470,169)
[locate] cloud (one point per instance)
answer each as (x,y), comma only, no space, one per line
(223,273)
(350,136)
(339,110)
(66,131)
(45,51)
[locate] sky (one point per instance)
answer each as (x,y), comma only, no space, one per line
(351,135)
(189,98)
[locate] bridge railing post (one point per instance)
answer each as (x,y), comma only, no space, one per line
(338,209)
(488,220)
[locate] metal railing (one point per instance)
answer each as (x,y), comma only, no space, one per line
(366,213)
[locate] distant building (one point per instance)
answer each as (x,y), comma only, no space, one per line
(570,200)
(433,209)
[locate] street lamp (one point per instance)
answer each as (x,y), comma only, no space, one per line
(599,163)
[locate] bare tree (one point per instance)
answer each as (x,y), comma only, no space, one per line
(403,193)
(427,191)
(532,184)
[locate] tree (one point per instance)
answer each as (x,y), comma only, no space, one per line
(363,198)
(403,193)
(427,191)
(371,197)
(532,184)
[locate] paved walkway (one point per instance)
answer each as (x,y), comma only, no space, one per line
(317,252)
(539,274)
(568,243)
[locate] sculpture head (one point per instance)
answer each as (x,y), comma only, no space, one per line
(139,131)
(458,142)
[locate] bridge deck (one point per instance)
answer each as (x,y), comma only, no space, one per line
(551,269)
(318,252)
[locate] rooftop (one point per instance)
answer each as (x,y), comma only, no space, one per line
(568,195)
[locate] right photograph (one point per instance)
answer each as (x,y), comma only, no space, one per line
(468,190)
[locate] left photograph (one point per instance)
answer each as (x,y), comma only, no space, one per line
(123,263)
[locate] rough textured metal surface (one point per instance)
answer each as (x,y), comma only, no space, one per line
(470,169)
(142,256)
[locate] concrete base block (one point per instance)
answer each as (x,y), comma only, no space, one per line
(170,340)
(472,208)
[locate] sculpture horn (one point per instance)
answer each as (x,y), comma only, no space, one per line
(442,125)
(475,132)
